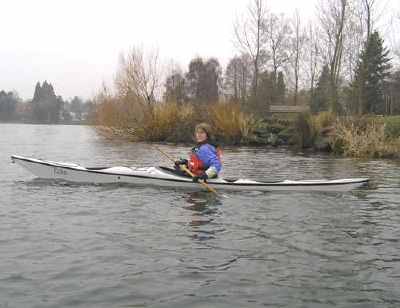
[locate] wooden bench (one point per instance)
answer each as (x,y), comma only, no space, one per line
(288,109)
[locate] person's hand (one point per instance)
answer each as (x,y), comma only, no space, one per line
(180,162)
(201,176)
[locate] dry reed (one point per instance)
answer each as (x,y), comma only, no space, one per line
(370,142)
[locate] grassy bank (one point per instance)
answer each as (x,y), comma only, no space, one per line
(366,136)
(172,122)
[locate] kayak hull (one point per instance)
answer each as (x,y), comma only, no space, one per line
(166,177)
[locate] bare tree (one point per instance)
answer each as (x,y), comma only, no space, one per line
(250,39)
(333,16)
(138,82)
(364,9)
(394,35)
(203,81)
(355,36)
(175,86)
(396,45)
(363,17)
(312,59)
(298,41)
(238,79)
(278,32)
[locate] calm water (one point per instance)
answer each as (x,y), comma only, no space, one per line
(125,246)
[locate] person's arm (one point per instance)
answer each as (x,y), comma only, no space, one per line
(210,158)
(211,172)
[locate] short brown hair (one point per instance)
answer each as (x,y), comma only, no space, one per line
(206,128)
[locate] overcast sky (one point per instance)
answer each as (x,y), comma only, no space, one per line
(75,44)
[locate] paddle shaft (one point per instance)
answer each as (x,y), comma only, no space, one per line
(183,167)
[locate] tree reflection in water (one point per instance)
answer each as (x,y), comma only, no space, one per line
(206,208)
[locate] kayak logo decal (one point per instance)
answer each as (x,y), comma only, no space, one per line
(59,170)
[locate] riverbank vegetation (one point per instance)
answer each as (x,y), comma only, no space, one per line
(357,136)
(170,122)
(328,99)
(371,141)
(348,135)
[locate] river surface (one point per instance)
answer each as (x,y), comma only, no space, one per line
(70,245)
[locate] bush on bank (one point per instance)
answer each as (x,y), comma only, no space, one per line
(366,136)
(171,122)
(356,136)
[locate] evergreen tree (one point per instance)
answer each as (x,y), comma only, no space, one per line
(266,94)
(46,106)
(271,91)
(76,107)
(320,97)
(371,74)
(280,89)
(8,103)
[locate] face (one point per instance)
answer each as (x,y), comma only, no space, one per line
(201,135)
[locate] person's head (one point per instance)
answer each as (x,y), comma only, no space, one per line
(202,132)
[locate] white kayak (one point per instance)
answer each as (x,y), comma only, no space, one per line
(168,177)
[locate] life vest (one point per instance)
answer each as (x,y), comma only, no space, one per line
(195,163)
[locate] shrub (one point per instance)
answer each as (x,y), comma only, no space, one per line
(170,123)
(371,142)
(303,132)
(227,118)
(322,121)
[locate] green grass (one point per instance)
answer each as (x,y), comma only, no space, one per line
(392,125)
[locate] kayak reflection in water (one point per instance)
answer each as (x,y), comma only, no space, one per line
(205,208)
(205,159)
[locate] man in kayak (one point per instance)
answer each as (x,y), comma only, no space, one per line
(205,158)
